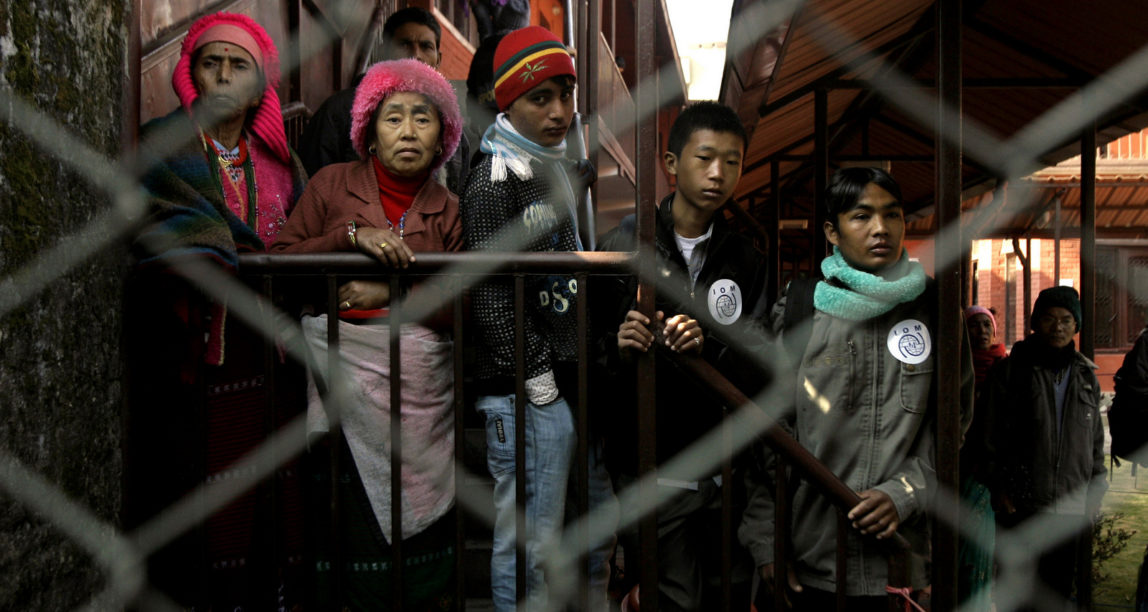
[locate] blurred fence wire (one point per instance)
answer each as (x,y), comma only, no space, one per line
(122,555)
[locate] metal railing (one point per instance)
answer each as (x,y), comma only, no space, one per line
(276,270)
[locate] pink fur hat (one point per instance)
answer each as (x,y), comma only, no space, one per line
(405,75)
(267,123)
(976,310)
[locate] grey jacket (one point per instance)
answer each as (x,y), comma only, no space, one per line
(1038,469)
(870,419)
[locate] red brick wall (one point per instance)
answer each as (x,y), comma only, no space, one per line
(991,287)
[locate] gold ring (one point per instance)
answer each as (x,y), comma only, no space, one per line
(346,305)
(382,245)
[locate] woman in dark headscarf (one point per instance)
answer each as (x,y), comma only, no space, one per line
(221,181)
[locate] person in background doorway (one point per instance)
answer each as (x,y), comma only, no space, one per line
(1046,447)
(978,529)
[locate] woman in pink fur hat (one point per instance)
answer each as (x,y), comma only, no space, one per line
(405,123)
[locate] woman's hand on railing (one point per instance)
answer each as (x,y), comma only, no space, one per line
(364,295)
(876,514)
(384,245)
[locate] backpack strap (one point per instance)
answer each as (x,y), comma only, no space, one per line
(798,309)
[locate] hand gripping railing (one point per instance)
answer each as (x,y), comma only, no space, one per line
(789,450)
(478,264)
(469,267)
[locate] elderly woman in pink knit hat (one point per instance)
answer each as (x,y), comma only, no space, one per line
(975,557)
(220,180)
(405,123)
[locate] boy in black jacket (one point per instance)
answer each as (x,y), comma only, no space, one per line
(713,282)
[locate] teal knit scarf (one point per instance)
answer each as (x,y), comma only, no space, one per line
(866,295)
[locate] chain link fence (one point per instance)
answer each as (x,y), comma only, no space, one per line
(121,556)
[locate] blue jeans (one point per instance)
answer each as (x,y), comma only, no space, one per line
(550,442)
(600,497)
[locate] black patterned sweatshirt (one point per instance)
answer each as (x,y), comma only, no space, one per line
(520,215)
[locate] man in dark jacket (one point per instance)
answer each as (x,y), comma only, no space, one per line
(1047,440)
(410,33)
(720,282)
(1128,416)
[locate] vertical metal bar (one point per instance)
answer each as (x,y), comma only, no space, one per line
(589,87)
(582,459)
(820,173)
(645,103)
(774,256)
(1027,282)
(842,575)
(577,140)
(726,517)
(898,576)
(613,28)
(948,154)
(1088,241)
(520,436)
(966,272)
(459,448)
(394,335)
(1056,235)
(293,59)
(130,99)
(1087,323)
(780,533)
(335,436)
(568,29)
(590,79)
(272,547)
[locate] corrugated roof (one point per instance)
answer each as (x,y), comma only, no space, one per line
(1021,58)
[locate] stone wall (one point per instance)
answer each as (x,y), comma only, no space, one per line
(60,366)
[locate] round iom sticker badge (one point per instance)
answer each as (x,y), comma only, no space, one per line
(724,301)
(909,341)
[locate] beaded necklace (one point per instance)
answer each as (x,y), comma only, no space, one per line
(402,223)
(248,168)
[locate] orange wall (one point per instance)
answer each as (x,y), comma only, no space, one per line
(922,251)
(456,51)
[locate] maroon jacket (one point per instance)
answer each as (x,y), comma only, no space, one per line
(350,192)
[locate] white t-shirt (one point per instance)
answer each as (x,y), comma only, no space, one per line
(694,252)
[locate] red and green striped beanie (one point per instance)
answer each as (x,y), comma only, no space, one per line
(526,58)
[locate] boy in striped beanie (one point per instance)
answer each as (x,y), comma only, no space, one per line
(519,197)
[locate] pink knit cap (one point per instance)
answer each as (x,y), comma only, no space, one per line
(235,35)
(976,310)
(405,75)
(267,123)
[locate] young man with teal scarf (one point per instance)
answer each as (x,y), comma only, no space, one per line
(862,402)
